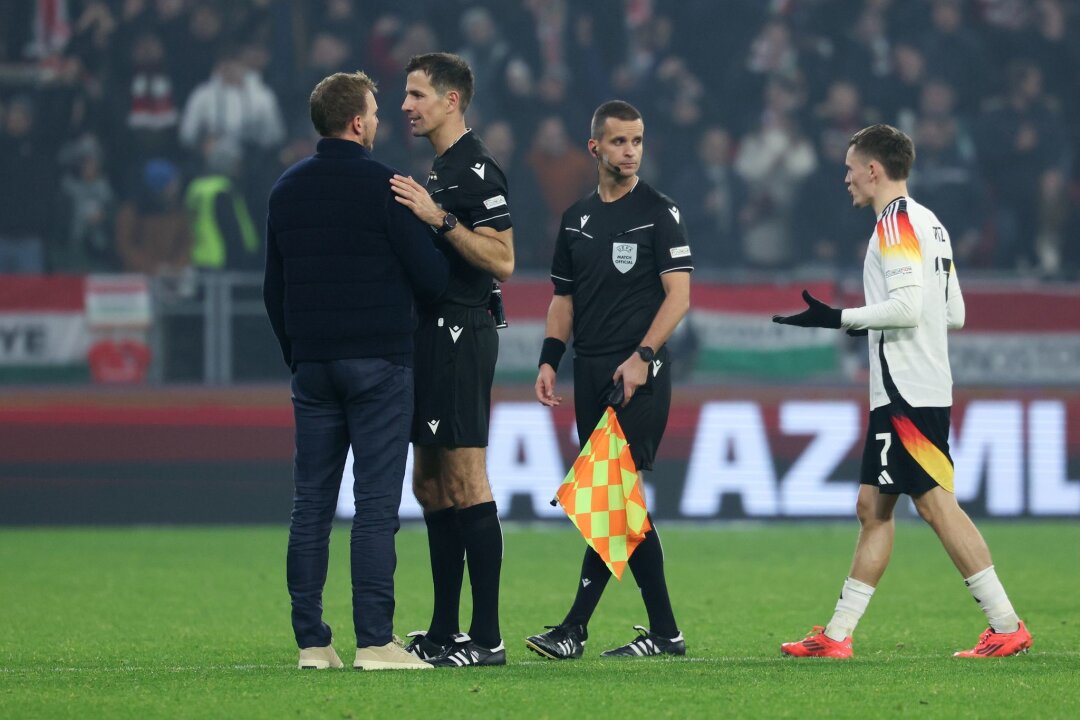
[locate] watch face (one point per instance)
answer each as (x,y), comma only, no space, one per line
(646,353)
(449,221)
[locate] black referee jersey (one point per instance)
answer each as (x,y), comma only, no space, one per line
(610,257)
(468,182)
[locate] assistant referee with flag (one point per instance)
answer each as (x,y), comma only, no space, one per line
(622,283)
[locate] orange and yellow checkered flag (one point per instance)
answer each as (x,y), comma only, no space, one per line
(603,496)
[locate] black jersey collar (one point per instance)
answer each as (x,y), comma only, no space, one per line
(451,146)
(637,181)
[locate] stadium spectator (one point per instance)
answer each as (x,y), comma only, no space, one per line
(771,54)
(711,194)
(948,173)
(649,46)
(520,105)
(87,243)
(530,216)
(343,264)
(92,36)
(956,52)
(199,44)
(679,102)
(561,169)
(1026,157)
(937,100)
(773,161)
(832,236)
(25,171)
(327,51)
(153,232)
(549,24)
(232,105)
(343,17)
(224,235)
(486,52)
(379,46)
(146,107)
(590,59)
(864,54)
(900,104)
(913,299)
(1051,46)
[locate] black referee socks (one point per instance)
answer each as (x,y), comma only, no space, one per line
(594,578)
(482,533)
(447,549)
(647,564)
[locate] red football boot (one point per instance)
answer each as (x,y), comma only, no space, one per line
(995,644)
(818,644)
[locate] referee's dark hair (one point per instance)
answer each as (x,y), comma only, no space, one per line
(618,109)
(447,72)
(889,146)
(337,99)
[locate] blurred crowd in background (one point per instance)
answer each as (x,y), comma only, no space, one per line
(144,135)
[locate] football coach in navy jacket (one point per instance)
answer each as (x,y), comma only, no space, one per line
(344,263)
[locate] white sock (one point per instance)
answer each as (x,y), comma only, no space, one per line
(854,597)
(989,593)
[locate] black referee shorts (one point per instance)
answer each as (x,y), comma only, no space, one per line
(643,420)
(454,362)
(907,449)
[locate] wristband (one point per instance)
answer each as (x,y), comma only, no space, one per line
(551,352)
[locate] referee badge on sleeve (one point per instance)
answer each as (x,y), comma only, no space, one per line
(624,256)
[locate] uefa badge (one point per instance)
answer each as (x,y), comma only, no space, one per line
(624,255)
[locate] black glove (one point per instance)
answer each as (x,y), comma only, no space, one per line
(818,314)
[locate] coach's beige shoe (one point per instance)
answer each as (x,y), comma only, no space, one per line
(319,658)
(390,656)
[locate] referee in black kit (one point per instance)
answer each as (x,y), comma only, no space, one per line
(466,203)
(622,283)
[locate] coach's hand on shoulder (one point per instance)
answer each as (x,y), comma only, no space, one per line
(817,314)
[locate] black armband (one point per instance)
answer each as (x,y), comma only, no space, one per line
(551,352)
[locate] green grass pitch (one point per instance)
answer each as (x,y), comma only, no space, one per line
(194,623)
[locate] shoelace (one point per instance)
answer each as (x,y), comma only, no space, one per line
(557,631)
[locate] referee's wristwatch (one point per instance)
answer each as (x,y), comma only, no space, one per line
(449,222)
(646,353)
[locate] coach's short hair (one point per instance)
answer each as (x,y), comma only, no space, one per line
(447,72)
(337,99)
(618,109)
(889,146)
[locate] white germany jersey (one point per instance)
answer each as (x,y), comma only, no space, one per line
(910,247)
